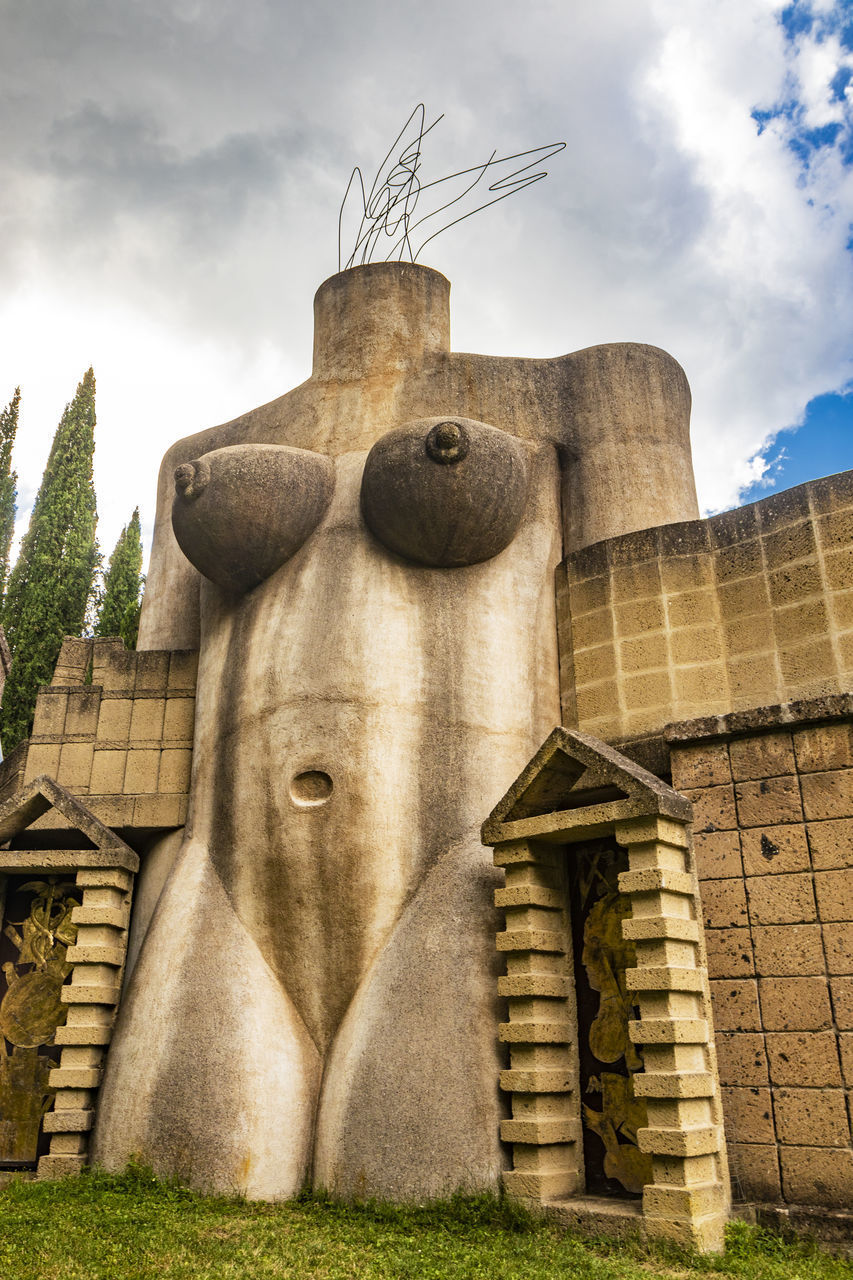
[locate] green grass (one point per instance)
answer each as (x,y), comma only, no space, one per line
(97,1227)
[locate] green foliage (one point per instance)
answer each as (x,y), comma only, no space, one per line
(8,485)
(50,585)
(120,603)
(97,1227)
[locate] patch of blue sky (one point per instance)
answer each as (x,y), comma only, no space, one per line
(822,446)
(799,21)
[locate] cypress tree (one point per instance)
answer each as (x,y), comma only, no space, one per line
(51,582)
(8,485)
(119,611)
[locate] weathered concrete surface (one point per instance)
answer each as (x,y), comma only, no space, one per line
(358,713)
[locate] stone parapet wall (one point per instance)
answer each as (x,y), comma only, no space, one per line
(114,726)
(772,792)
(748,608)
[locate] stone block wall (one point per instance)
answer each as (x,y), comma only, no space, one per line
(114,726)
(748,608)
(772,792)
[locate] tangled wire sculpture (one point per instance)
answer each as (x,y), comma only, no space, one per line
(388,209)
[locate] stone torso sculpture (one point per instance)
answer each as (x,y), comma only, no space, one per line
(368,572)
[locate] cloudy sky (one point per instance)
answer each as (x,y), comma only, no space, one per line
(172,172)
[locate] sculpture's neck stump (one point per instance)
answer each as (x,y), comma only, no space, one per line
(379,320)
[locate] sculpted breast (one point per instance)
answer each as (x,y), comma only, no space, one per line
(240,512)
(445,492)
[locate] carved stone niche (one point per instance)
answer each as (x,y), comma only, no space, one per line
(638,1097)
(64,905)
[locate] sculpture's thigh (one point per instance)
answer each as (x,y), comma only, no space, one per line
(211,1075)
(410,1107)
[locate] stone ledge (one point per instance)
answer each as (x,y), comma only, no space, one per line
(832,707)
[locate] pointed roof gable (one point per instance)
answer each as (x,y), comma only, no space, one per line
(577,784)
(106,849)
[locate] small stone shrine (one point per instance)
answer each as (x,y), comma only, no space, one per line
(490,813)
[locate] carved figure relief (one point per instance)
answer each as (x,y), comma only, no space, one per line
(38,930)
(605,1007)
(367,568)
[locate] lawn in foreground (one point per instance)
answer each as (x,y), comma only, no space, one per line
(97,1227)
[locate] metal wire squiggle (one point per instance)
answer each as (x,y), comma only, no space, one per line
(388,209)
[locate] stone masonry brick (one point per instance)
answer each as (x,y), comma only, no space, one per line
(767,755)
(729,953)
(817,1117)
(834,892)
(795,582)
(754,678)
(49,715)
(741,1058)
(175,766)
(794,542)
(692,609)
(696,645)
(713,808)
(831,843)
(817,1175)
(824,747)
(804,1058)
(42,757)
(701,765)
(75,765)
(717,855)
(651,689)
(828,795)
(775,850)
(742,560)
(748,1114)
(838,942)
(178,720)
(842,1002)
(787,899)
(81,716)
(735,1005)
(114,719)
(795,1004)
(637,616)
(141,771)
(809,665)
(723,904)
(152,668)
(788,950)
(592,628)
(769,802)
(745,597)
(183,668)
(108,772)
(598,663)
(642,653)
(838,567)
(755,1172)
(796,623)
(146,720)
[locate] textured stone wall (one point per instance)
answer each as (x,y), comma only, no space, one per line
(748,608)
(773,827)
(115,726)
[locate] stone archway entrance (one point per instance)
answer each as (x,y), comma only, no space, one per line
(560,832)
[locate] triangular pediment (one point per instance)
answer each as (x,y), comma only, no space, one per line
(97,844)
(577,781)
